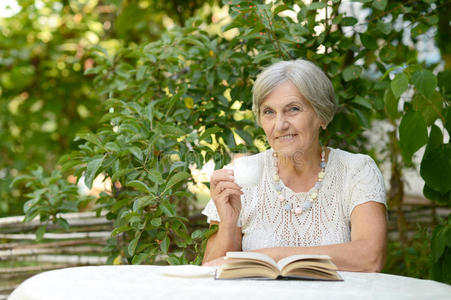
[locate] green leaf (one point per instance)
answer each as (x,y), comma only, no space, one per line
(351,72)
(436,168)
(435,139)
(281,8)
(173,260)
(387,54)
(194,41)
(425,82)
(431,108)
(196,234)
(444,81)
(132,246)
(419,29)
(362,102)
(40,232)
(138,259)
(172,131)
(176,178)
(413,134)
(223,101)
(90,137)
(368,41)
(391,104)
(139,185)
(120,229)
(167,208)
(156,222)
(348,21)
(447,115)
(177,164)
(121,173)
(136,152)
(164,245)
(245,136)
(399,84)
(438,242)
(380,4)
(361,117)
(19,179)
(209,131)
(384,28)
(141,72)
(143,202)
(441,199)
(91,170)
(263,55)
(62,223)
(111,146)
(155,176)
(432,19)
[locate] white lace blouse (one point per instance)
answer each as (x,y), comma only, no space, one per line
(350,179)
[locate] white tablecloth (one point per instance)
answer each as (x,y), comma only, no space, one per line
(146,282)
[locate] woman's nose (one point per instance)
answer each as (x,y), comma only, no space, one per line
(281,123)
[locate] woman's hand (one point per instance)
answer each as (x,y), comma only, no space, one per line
(226,195)
(216,262)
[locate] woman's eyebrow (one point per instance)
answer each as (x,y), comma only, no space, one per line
(294,102)
(297,102)
(264,106)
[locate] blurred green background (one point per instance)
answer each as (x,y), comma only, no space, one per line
(139,91)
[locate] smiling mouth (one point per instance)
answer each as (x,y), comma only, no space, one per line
(287,137)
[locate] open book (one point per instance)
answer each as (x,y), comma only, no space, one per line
(255,265)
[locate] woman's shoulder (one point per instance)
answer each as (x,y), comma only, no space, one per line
(352,160)
(360,169)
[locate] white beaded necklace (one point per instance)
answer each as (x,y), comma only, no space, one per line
(313,194)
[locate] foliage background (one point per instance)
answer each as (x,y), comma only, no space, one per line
(145,102)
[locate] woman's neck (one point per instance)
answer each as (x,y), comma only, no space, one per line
(300,161)
(300,171)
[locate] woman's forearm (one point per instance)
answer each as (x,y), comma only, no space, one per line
(357,256)
(228,238)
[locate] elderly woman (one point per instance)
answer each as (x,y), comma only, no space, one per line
(310,199)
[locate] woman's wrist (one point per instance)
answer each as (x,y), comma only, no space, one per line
(227,220)
(227,229)
(230,236)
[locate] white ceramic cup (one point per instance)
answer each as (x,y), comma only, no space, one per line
(247,170)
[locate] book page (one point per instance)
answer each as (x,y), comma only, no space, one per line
(285,261)
(245,272)
(314,274)
(251,255)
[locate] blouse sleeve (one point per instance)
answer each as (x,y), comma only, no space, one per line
(211,212)
(210,209)
(367,184)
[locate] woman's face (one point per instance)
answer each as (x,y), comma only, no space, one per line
(289,121)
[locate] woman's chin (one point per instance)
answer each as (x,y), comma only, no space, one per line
(287,150)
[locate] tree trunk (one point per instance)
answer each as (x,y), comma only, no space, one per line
(396,192)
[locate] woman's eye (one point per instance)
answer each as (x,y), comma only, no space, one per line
(267,112)
(294,108)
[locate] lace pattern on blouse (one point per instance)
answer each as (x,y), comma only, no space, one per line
(350,180)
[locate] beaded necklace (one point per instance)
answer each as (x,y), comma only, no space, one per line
(313,194)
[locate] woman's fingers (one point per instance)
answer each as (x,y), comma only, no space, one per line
(227,195)
(223,185)
(222,175)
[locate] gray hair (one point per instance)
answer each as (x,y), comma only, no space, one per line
(310,80)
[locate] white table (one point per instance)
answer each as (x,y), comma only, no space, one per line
(147,282)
